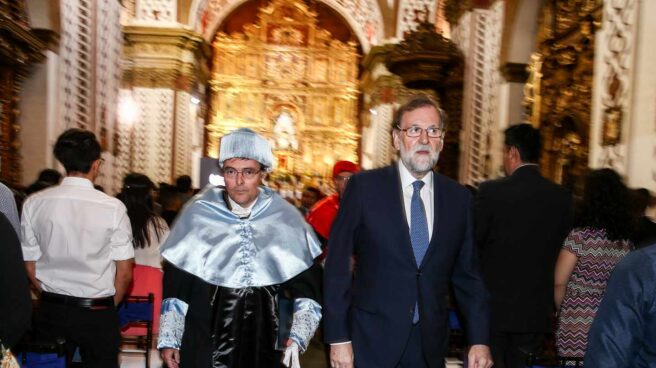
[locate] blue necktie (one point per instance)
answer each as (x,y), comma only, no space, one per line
(418,230)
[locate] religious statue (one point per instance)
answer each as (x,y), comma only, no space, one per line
(284,131)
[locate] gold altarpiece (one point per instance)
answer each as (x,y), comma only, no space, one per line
(291,81)
(558,94)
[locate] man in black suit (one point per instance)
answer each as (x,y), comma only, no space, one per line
(411,230)
(521,222)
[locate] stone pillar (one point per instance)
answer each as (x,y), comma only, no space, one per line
(478,35)
(158,132)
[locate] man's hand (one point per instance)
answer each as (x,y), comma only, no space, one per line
(35,285)
(290,357)
(479,357)
(170,357)
(341,356)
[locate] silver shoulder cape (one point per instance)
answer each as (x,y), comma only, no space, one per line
(270,247)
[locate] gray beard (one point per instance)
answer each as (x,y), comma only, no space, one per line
(419,167)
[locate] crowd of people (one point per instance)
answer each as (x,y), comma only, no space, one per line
(243,277)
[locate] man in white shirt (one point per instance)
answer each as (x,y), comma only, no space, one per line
(77,246)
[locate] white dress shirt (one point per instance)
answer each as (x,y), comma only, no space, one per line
(426,194)
(75,233)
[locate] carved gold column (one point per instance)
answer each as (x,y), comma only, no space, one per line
(560,88)
(163,69)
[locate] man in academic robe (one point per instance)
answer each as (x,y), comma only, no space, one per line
(233,254)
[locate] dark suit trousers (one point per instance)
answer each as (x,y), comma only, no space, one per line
(510,350)
(413,354)
(95,332)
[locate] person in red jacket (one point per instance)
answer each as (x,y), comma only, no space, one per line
(323,213)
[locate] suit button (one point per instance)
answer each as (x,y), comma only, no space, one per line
(418,273)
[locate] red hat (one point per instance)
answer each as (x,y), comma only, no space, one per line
(342,166)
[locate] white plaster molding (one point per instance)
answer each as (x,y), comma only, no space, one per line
(409,10)
(156,10)
(363,16)
(615,52)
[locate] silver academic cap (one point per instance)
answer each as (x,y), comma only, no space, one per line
(245,143)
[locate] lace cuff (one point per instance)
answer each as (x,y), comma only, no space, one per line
(171,323)
(307,314)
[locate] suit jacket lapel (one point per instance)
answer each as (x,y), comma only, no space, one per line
(438,208)
(407,244)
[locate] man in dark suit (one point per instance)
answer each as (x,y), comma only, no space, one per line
(411,230)
(521,222)
(624,329)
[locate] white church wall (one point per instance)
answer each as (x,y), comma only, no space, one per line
(76,86)
(153,132)
(478,34)
(38,118)
(641,156)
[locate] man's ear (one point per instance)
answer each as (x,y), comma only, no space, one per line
(514,154)
(396,139)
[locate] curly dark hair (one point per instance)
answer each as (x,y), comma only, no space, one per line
(606,205)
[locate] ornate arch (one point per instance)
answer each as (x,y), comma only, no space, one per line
(364,17)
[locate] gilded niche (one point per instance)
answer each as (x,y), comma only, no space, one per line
(290,80)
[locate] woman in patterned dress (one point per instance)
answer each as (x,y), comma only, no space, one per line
(588,256)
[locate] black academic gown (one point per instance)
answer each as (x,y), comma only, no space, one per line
(227,327)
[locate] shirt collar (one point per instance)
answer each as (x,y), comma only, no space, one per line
(407,179)
(240,211)
(524,165)
(77,182)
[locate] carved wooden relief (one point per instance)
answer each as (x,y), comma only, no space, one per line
(18,47)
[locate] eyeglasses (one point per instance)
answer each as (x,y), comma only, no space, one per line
(415,131)
(343,178)
(247,173)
